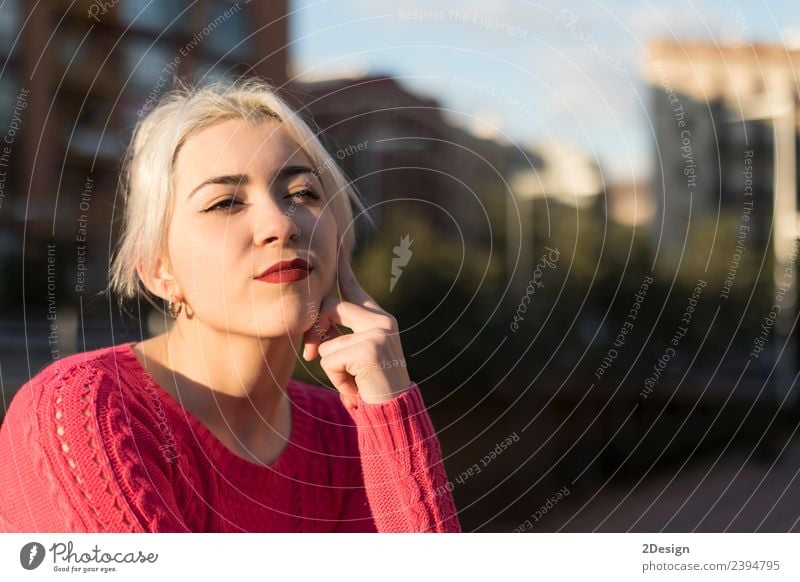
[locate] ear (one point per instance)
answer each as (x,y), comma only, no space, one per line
(159,279)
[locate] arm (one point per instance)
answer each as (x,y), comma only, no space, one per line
(74,457)
(404,483)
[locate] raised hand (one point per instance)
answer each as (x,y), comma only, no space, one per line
(368,362)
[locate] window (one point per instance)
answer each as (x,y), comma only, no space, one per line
(226,32)
(147,64)
(9,26)
(9,89)
(156,15)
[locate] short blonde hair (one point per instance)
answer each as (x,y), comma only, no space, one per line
(148,170)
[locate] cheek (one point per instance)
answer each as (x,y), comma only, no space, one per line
(327,236)
(199,262)
(326,229)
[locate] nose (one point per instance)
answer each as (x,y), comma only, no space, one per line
(275,225)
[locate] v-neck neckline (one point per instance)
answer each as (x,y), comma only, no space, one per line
(220,452)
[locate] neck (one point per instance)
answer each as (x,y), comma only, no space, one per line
(236,383)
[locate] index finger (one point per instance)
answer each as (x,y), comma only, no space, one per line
(352,291)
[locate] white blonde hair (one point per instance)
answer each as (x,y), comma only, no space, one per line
(148,171)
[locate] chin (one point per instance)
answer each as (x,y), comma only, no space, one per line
(291,321)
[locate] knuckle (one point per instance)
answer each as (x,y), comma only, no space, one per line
(377,333)
(326,347)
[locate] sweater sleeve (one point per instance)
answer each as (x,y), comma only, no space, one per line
(405,485)
(76,457)
(5,525)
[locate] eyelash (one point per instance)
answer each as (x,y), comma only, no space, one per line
(306,193)
(227,204)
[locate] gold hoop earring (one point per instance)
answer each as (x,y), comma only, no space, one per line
(175,308)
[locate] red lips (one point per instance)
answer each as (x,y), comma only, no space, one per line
(286,265)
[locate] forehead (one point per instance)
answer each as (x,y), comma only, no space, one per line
(236,147)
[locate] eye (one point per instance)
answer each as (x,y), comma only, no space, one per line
(226,204)
(303,194)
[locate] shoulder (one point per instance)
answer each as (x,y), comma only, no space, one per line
(65,385)
(72,425)
(76,368)
(89,369)
(71,391)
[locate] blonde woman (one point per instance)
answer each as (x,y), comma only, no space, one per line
(240,222)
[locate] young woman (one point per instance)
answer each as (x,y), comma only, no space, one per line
(238,219)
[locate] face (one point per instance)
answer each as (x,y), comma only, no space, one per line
(223,235)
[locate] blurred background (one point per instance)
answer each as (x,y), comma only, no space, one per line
(586,224)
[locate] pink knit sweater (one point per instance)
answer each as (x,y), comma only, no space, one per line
(93,444)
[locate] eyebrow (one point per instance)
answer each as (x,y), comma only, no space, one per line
(284,173)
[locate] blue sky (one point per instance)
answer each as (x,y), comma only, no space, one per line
(529,69)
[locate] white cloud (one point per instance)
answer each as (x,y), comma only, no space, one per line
(791,37)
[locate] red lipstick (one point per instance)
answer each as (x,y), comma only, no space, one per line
(286,272)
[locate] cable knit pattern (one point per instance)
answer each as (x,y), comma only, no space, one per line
(93,444)
(402,461)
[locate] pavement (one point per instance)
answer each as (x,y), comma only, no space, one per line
(731,492)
